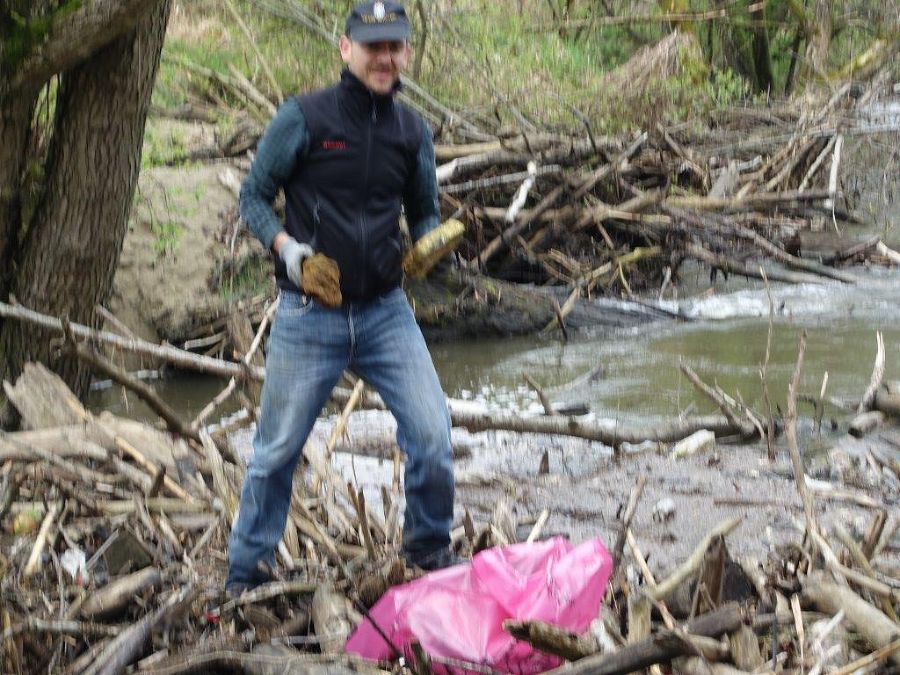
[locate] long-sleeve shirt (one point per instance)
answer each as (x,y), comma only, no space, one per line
(286,142)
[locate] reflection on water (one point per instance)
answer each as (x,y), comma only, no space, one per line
(186,393)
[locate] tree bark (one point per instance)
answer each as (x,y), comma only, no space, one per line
(762,59)
(74,35)
(15,131)
(71,250)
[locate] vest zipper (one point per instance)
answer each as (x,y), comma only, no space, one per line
(364,244)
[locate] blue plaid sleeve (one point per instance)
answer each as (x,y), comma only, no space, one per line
(285,141)
(420,199)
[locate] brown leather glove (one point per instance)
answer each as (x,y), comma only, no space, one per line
(322,280)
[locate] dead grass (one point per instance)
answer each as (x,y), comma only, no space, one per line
(196,22)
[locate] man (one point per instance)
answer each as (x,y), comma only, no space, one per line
(348,157)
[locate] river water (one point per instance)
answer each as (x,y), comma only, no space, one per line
(725,343)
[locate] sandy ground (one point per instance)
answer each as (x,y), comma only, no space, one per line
(587,485)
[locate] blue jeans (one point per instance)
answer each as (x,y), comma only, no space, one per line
(308,349)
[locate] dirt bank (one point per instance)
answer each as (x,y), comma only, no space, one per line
(177,269)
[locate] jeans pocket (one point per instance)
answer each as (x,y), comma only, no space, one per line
(294,305)
(393,297)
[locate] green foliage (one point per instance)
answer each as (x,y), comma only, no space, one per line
(486,57)
(19,35)
(725,88)
(168,234)
(204,34)
(161,147)
(252,278)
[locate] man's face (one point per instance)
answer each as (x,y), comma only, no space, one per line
(377,64)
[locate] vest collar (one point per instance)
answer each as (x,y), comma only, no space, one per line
(364,98)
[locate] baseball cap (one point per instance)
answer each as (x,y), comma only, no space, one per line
(378,22)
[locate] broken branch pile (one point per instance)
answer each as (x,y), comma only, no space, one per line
(613,215)
(115,557)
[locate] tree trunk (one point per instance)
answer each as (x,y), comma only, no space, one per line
(762,59)
(15,129)
(16,112)
(72,247)
(818,41)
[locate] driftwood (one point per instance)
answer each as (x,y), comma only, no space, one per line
(551,639)
(887,399)
(692,564)
(877,375)
(660,648)
(866,422)
(115,596)
(608,432)
(166,354)
(268,661)
(43,400)
(329,615)
(102,365)
(873,624)
(745,651)
(123,650)
(627,516)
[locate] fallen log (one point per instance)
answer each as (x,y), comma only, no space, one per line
(146,393)
(754,201)
(64,441)
(865,423)
(552,639)
(887,399)
(267,660)
(115,596)
(720,225)
(873,624)
(173,355)
(732,266)
(73,628)
(329,616)
(608,432)
(129,644)
(657,648)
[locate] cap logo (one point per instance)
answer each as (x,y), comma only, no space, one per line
(379,15)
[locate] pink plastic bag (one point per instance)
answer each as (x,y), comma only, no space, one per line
(458,613)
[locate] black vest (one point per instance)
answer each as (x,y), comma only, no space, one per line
(344,197)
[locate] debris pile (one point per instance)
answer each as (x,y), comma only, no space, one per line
(612,215)
(114,556)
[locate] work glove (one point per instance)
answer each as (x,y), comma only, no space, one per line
(315,274)
(322,280)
